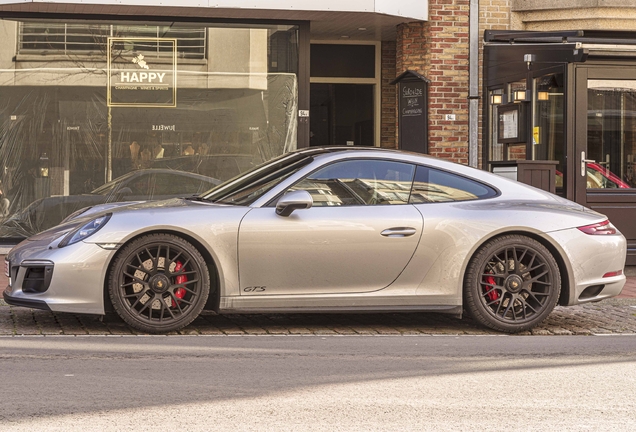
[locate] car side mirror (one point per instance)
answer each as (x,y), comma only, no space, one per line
(295,200)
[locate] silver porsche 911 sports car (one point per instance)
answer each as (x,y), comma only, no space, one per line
(329,229)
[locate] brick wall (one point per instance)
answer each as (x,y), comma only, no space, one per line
(388,125)
(438,49)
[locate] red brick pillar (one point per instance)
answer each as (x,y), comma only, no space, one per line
(438,49)
(388,132)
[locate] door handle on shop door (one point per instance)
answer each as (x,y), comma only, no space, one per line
(583,164)
(399,232)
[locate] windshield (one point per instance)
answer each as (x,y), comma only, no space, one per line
(248,187)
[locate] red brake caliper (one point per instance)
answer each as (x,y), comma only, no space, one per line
(491,292)
(181,279)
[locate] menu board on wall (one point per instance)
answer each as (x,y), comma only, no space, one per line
(142,72)
(413,118)
(511,124)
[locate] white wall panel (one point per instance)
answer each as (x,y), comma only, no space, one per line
(415,9)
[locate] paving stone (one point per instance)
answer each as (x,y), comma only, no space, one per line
(24,322)
(6,321)
(46,322)
(93,325)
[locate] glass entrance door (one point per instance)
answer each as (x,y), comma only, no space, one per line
(604,172)
(611,128)
(342,114)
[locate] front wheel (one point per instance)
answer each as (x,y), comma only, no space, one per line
(512,284)
(159,283)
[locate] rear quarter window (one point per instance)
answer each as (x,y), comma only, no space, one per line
(432,185)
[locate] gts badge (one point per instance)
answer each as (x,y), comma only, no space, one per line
(254,289)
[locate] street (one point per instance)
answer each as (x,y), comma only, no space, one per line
(318,382)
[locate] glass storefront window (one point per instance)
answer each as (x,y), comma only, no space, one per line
(85,104)
(495,99)
(518,95)
(548,139)
(611,134)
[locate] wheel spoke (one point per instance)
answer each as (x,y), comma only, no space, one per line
(152,258)
(510,302)
(189,303)
(184,273)
(490,303)
(176,302)
(137,268)
(495,275)
(525,302)
(183,284)
(173,260)
(535,279)
(135,278)
(137,294)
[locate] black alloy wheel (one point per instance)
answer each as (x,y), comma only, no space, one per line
(511,284)
(159,283)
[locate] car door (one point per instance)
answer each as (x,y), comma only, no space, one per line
(357,237)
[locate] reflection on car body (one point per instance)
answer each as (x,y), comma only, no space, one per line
(329,229)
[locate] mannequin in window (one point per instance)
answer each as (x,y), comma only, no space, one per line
(157,151)
(4,203)
(203,149)
(188,151)
(134,154)
(145,155)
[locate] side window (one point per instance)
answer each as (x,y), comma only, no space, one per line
(359,182)
(431,185)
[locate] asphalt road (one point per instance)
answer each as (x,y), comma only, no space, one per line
(318,383)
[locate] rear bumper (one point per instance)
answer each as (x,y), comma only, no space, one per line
(591,257)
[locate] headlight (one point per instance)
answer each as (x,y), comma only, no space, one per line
(85,230)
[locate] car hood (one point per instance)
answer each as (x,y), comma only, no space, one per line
(83,217)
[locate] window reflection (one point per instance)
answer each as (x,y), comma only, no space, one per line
(431,185)
(548,134)
(359,182)
(611,134)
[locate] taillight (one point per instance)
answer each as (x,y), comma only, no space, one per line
(614,273)
(602,228)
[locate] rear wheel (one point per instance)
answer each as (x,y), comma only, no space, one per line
(159,283)
(511,284)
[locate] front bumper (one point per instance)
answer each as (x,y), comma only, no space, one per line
(591,257)
(74,277)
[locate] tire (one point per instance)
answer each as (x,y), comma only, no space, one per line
(512,283)
(158,283)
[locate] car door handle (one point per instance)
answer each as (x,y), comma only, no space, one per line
(399,232)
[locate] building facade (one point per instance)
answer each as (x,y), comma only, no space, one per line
(97,95)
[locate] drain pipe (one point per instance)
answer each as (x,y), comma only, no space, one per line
(473,85)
